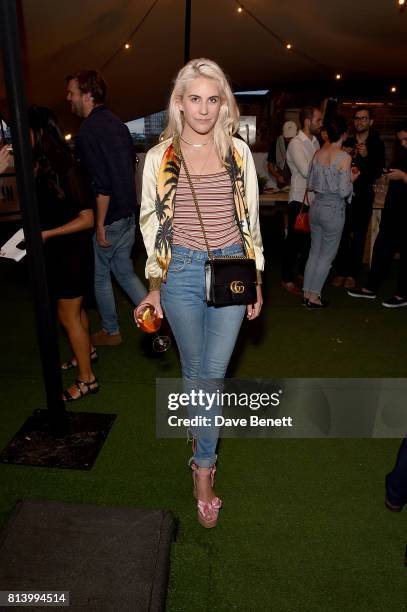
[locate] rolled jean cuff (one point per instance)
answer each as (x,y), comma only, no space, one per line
(114,332)
(205,463)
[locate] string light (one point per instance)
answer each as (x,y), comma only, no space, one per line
(338,76)
(68,137)
(129,37)
(127,46)
(402,2)
(287,45)
(240,10)
(393,89)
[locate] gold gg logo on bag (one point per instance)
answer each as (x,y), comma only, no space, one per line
(236,286)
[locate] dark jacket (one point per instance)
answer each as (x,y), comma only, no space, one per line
(106,150)
(371,166)
(397,190)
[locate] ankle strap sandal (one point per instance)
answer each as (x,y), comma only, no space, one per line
(84,387)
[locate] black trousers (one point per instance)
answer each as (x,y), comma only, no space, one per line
(390,239)
(349,259)
(396,481)
(296,246)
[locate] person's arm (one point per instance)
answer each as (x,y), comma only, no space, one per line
(276,174)
(252,200)
(96,161)
(371,158)
(83,221)
(149,226)
(94,157)
(396,175)
(102,205)
(346,177)
(81,197)
(298,157)
(272,167)
(377,160)
(5,159)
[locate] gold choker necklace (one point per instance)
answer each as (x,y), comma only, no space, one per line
(197,146)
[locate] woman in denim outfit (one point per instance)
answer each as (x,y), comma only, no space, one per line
(331,179)
(202,116)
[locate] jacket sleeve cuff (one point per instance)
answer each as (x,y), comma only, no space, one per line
(154,283)
(258,277)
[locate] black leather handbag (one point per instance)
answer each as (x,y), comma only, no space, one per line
(229,280)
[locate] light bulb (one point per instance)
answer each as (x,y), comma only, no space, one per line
(288,46)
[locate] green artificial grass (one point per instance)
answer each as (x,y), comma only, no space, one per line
(303,527)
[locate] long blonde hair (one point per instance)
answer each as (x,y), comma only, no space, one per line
(228,121)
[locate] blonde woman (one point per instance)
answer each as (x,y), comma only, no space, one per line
(202,117)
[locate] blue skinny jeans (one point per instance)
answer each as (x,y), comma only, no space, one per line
(205,335)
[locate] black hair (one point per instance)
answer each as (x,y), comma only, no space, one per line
(52,156)
(366,109)
(335,127)
(401,126)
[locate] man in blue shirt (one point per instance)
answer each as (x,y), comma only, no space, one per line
(106,151)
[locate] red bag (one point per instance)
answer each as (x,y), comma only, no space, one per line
(302,222)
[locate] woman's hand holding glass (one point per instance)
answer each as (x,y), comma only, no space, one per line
(153,298)
(148,316)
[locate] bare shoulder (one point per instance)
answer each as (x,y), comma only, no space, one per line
(344,160)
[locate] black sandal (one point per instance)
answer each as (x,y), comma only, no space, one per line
(91,387)
(72,363)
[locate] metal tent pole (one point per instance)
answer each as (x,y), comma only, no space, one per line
(187,35)
(46,327)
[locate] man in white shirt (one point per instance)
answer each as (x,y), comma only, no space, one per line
(300,152)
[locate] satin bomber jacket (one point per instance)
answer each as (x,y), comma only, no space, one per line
(160,178)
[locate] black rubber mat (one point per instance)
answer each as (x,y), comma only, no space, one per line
(108,558)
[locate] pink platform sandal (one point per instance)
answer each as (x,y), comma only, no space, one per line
(207,511)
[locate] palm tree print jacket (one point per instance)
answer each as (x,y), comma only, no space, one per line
(160,179)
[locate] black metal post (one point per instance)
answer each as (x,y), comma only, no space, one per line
(187,38)
(80,435)
(46,327)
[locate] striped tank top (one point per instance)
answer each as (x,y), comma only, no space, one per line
(216,204)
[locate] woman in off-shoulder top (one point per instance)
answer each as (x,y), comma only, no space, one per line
(330,178)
